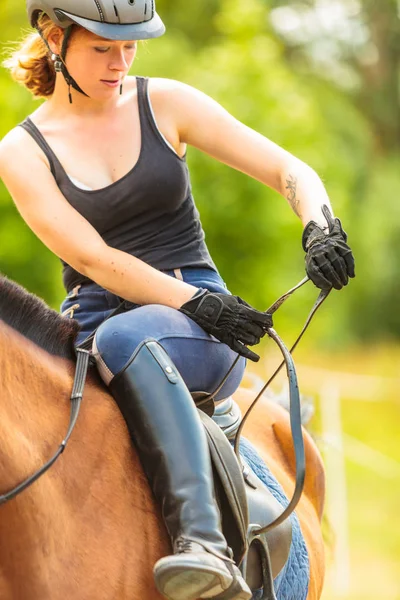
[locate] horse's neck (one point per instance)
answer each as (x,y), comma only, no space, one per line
(34,390)
(91,512)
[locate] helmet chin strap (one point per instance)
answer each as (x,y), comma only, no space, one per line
(59,62)
(70,80)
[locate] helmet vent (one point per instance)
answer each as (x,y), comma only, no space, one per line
(100,10)
(116,10)
(131,2)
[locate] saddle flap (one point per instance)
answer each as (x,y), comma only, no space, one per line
(244,499)
(230,487)
(204,401)
(263,510)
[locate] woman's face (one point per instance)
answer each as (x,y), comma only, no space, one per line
(99,65)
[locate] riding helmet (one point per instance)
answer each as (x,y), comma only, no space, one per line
(110,19)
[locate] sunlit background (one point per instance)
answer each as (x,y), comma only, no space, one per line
(322,79)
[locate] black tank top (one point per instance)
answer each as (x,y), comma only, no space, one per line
(149,213)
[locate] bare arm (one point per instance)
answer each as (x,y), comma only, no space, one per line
(135,280)
(203,123)
(305,192)
(66,233)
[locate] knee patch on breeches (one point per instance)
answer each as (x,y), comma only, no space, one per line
(117,338)
(201,359)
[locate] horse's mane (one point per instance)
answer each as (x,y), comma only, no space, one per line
(30,316)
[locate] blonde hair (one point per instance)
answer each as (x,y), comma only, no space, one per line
(30,62)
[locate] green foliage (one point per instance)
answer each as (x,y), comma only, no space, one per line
(229,50)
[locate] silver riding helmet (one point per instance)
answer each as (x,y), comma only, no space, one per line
(110,19)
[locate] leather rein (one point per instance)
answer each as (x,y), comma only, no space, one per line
(82,366)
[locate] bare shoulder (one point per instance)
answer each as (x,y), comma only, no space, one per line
(184,105)
(17,143)
(176,91)
(12,141)
(164,85)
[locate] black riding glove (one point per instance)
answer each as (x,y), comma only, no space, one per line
(228,318)
(329,260)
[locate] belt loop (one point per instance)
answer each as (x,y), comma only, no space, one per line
(178,274)
(70,311)
(74,293)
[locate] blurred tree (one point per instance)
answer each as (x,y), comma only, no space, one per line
(356,45)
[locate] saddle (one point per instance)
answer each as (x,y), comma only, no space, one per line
(245,503)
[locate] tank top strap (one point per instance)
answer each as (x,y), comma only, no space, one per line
(148,123)
(146,119)
(31,128)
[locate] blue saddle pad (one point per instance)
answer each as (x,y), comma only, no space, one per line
(292,581)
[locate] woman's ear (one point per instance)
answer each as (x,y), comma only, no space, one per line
(55,40)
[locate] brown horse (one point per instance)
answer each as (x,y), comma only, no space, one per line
(89,528)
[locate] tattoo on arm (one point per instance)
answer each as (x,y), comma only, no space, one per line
(291,196)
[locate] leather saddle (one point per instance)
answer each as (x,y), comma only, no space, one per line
(245,502)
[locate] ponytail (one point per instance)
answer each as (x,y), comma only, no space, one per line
(30,63)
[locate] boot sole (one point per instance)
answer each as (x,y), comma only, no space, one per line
(244,594)
(188,583)
(241,591)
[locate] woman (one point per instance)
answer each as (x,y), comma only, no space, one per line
(133,233)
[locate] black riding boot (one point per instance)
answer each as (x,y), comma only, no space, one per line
(171,442)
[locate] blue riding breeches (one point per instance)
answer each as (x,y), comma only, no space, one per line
(200,358)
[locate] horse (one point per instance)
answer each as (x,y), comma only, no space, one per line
(90,528)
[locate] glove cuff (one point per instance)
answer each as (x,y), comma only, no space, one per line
(209,308)
(312,233)
(199,292)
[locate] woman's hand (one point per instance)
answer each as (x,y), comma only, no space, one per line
(329,259)
(230,319)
